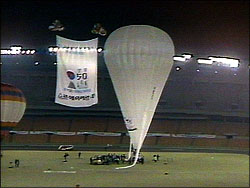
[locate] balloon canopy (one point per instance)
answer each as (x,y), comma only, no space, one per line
(13,106)
(139,59)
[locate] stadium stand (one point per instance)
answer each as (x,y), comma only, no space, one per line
(89,124)
(62,139)
(172,141)
(26,124)
(239,140)
(116,125)
(29,139)
(241,129)
(150,140)
(6,139)
(210,142)
(51,124)
(167,126)
(125,140)
(238,143)
(196,126)
(103,140)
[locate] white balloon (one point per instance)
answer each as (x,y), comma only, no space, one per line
(139,59)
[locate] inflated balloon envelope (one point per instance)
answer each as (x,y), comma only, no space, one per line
(13,105)
(139,59)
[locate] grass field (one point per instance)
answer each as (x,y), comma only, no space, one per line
(185,170)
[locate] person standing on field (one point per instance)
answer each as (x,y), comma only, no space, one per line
(79,155)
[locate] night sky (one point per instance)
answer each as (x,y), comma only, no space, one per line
(199,27)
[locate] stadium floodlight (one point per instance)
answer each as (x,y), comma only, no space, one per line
(179,58)
(16,47)
(15,50)
(231,62)
(99,50)
(36,63)
(51,49)
(55,49)
(212,58)
(5,52)
(32,51)
(204,61)
(187,56)
(177,68)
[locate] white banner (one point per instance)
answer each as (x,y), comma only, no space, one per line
(158,134)
(193,136)
(65,133)
(76,72)
(104,134)
(19,132)
(41,132)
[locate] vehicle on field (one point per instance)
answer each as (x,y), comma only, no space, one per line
(105,159)
(99,160)
(114,159)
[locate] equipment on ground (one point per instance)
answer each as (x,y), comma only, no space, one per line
(65,147)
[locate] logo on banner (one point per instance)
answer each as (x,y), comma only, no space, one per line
(78,80)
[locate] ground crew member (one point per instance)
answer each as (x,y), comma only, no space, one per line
(79,155)
(17,162)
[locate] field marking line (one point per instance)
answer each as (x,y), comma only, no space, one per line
(114,170)
(63,172)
